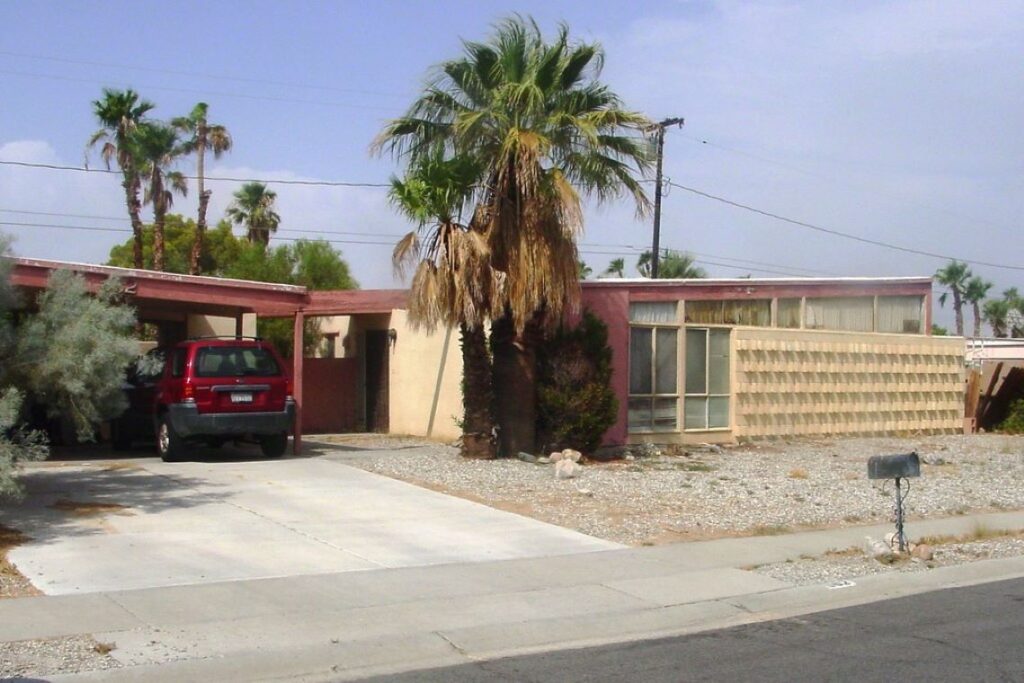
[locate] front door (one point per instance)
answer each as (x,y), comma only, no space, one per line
(377,381)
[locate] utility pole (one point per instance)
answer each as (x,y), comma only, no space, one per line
(655,247)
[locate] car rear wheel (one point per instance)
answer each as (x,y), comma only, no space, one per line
(168,443)
(274,445)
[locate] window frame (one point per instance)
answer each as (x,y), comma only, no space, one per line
(707,395)
(653,397)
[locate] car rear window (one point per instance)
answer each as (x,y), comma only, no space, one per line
(178,363)
(227,361)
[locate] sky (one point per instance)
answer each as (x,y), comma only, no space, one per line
(894,122)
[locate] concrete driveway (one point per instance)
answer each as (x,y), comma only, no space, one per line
(103,525)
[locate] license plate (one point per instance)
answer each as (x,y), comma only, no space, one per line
(241,397)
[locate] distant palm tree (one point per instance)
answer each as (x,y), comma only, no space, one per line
(253,207)
(974,293)
(617,268)
(673,265)
(585,270)
(156,147)
(202,136)
(119,113)
(954,276)
(996,313)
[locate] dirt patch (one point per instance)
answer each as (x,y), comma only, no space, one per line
(13,583)
(89,508)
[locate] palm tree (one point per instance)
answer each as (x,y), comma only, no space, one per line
(453,283)
(954,276)
(997,313)
(617,267)
(202,136)
(674,265)
(119,113)
(585,271)
(540,126)
(253,207)
(156,147)
(974,293)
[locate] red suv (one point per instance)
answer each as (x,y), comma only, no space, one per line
(219,389)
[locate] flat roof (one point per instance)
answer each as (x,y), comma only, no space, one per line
(711,281)
(154,275)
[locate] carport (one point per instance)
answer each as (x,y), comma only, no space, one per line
(168,299)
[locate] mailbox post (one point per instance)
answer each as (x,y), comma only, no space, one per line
(898,467)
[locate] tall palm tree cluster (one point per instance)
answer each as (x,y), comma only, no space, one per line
(147,150)
(1004,315)
(499,150)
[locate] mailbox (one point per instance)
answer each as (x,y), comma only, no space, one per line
(899,466)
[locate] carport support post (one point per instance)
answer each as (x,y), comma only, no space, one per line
(297,380)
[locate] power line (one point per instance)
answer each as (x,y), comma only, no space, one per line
(332,237)
(837,233)
(822,176)
(268,181)
(243,96)
(692,190)
(196,74)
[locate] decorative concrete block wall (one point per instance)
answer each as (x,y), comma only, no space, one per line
(801,383)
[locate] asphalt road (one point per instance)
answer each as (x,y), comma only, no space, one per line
(962,634)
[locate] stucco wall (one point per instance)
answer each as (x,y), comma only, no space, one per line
(426,373)
(802,382)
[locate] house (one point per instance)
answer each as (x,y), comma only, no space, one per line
(713,360)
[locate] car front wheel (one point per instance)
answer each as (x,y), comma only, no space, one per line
(168,443)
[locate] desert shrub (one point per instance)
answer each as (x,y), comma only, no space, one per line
(68,357)
(575,401)
(1014,422)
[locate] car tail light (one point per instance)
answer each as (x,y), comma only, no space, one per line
(188,392)
(289,388)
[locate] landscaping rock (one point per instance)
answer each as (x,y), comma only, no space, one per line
(923,551)
(570,454)
(526,457)
(566,469)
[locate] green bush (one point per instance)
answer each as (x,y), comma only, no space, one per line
(1014,422)
(575,401)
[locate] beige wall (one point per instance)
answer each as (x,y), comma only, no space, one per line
(824,383)
(426,374)
(220,326)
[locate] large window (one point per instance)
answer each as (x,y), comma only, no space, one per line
(848,313)
(653,367)
(755,312)
(901,314)
(706,404)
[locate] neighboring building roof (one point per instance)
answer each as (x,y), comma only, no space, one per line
(995,349)
(641,289)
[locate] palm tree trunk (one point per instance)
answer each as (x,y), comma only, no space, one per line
(159,212)
(515,397)
(204,200)
(977,319)
(477,395)
(958,308)
(131,196)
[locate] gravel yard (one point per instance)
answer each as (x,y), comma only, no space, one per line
(852,563)
(685,494)
(46,657)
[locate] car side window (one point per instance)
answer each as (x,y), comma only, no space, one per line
(178,363)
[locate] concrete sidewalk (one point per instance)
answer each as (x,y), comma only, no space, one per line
(354,624)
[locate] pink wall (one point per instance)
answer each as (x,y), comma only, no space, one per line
(612,306)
